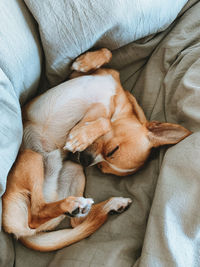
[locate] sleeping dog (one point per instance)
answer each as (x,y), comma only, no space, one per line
(93,117)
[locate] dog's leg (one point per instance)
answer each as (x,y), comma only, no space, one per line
(71,181)
(99,212)
(84,136)
(42,212)
(91,61)
(94,124)
(71,206)
(28,174)
(53,165)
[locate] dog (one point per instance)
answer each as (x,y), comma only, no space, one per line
(93,117)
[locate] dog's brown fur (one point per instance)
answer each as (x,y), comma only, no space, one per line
(112,132)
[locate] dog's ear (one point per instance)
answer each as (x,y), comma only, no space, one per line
(137,110)
(165,133)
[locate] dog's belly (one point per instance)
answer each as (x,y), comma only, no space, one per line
(58,110)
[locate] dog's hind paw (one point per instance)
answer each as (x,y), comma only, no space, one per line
(117,205)
(77,206)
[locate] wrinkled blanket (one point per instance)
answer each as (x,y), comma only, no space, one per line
(161,228)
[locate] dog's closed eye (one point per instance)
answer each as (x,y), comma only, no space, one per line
(112,152)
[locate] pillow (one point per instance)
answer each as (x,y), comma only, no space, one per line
(20,49)
(70,27)
(20,68)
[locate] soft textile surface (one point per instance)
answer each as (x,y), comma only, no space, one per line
(19,76)
(70,27)
(163,73)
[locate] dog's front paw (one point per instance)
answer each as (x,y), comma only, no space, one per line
(117,205)
(77,141)
(77,206)
(92,60)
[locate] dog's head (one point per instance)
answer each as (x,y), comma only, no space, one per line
(125,148)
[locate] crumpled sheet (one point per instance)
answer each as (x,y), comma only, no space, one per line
(161,228)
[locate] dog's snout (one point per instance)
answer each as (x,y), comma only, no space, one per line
(75,157)
(86,158)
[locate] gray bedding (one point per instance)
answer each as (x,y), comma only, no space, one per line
(161,228)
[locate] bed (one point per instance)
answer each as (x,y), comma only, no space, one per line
(156,48)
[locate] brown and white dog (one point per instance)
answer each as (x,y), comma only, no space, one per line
(95,118)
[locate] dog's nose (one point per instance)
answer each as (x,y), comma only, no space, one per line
(75,157)
(86,158)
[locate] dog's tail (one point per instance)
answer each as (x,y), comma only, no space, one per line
(54,240)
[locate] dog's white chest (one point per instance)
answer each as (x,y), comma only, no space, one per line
(75,94)
(91,89)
